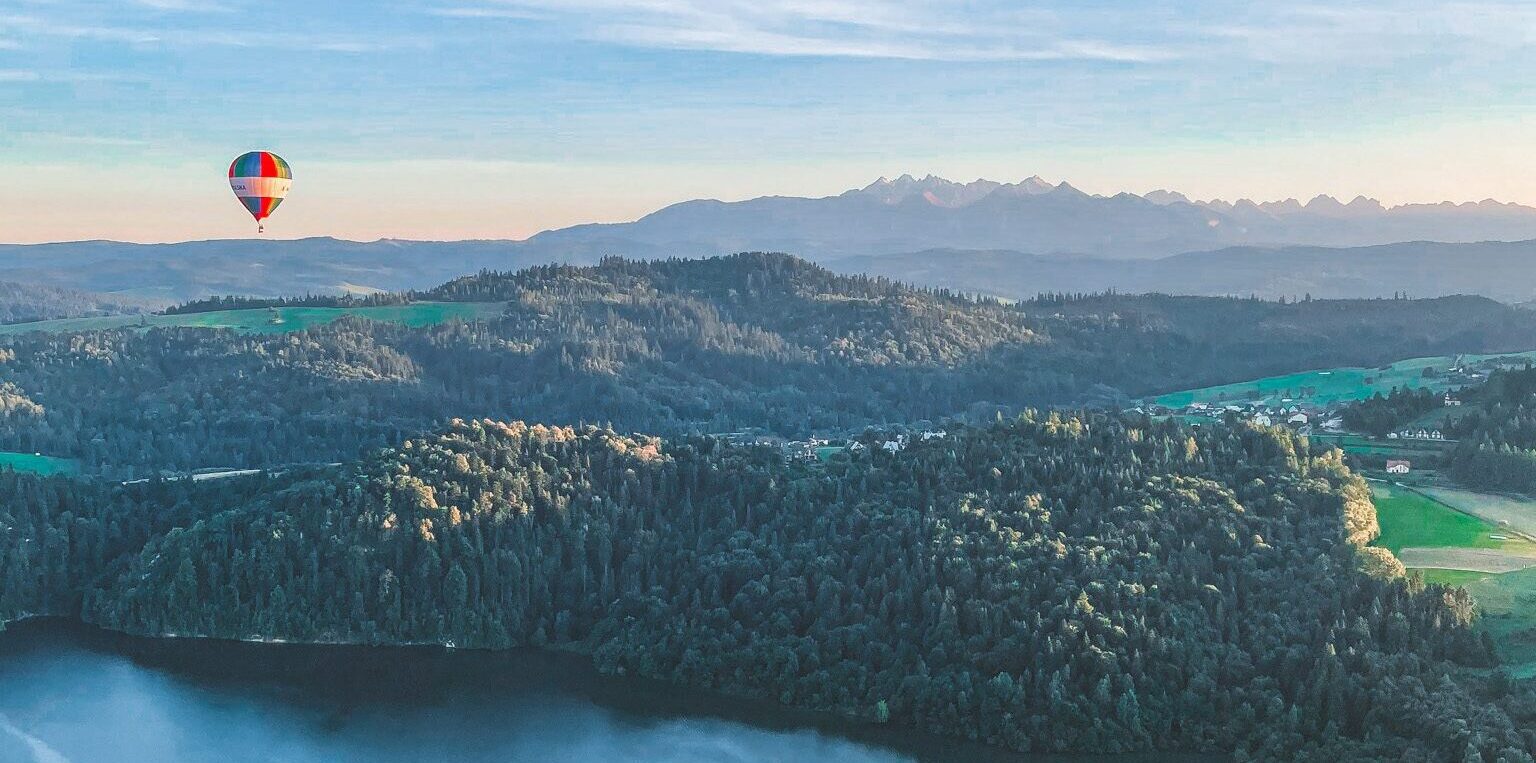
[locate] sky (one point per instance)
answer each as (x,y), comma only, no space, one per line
(453,119)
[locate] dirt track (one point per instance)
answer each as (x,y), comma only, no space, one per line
(1473,559)
(1515,514)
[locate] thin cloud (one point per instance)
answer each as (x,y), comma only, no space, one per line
(68,77)
(487,13)
(823,28)
(34,26)
(184,6)
(73,139)
(1378,34)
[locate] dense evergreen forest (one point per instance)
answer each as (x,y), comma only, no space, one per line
(1497,434)
(748,342)
(26,302)
(1380,414)
(1054,582)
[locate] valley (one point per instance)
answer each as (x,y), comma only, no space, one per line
(926,484)
(627,381)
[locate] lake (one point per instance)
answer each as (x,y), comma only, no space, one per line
(69,692)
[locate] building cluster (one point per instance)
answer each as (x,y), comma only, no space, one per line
(1300,416)
(813,448)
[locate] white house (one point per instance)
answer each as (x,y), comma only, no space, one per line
(1399,467)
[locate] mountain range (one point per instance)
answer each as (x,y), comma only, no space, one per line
(1009,239)
(1033,216)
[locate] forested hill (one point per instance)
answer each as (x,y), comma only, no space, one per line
(1497,433)
(26,302)
(1051,583)
(752,341)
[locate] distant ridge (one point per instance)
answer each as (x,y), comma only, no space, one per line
(1017,238)
(1034,216)
(1505,271)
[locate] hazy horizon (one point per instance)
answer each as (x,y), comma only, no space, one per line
(496,119)
(270,235)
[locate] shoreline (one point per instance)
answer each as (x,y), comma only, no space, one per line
(240,665)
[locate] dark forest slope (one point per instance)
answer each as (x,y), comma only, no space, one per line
(1053,583)
(749,341)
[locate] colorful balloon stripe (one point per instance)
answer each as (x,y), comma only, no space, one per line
(260,207)
(260,179)
(260,164)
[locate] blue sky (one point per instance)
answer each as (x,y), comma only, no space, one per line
(498,118)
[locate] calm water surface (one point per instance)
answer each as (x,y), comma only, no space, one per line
(73,693)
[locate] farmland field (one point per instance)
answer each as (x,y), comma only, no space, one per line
(37,464)
(1409,449)
(1440,539)
(826,452)
(1421,529)
(1507,604)
(1515,513)
(1464,559)
(1328,386)
(260,320)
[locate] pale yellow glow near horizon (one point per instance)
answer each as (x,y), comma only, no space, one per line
(447,200)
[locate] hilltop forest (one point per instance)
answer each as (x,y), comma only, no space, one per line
(1040,581)
(1497,434)
(1054,582)
(759,342)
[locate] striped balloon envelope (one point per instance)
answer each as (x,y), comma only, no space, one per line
(261,180)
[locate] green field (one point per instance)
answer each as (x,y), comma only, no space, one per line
(260,320)
(826,452)
(38,464)
(1507,604)
(1514,512)
(1328,386)
(1506,601)
(1411,520)
(1360,444)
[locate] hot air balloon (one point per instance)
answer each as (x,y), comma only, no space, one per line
(261,180)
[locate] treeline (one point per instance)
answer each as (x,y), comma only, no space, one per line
(1497,434)
(1380,414)
(59,536)
(1055,583)
(216,303)
(27,302)
(748,342)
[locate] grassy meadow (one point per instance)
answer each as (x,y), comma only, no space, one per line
(1366,446)
(1507,605)
(1331,385)
(1506,600)
(1411,520)
(38,463)
(260,320)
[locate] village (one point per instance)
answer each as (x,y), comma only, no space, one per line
(1309,404)
(823,448)
(1317,404)
(1303,416)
